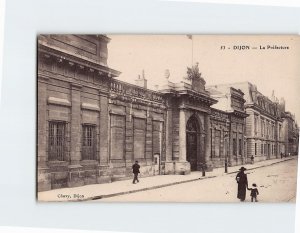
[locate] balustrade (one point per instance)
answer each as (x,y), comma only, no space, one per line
(135,91)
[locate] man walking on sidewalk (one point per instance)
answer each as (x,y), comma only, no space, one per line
(135,171)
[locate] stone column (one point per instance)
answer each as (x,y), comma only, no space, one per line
(43,176)
(75,155)
(169,163)
(42,124)
(104,127)
(104,175)
(182,135)
(75,169)
(169,135)
(208,143)
(182,166)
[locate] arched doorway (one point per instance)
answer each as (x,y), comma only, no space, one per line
(192,139)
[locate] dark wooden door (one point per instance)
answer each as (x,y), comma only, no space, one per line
(192,150)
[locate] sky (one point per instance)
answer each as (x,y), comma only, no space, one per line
(269,69)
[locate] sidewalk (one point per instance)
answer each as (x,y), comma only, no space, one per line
(99,191)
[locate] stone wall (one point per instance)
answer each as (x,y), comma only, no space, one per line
(83,101)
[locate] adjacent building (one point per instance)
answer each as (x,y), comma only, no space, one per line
(271,132)
(91,127)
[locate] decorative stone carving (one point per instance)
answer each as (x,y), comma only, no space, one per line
(194,76)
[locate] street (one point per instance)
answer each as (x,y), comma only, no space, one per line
(275,183)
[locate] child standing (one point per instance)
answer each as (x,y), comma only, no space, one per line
(254,193)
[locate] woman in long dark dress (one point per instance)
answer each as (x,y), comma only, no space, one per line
(242,180)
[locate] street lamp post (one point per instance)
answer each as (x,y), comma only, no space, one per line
(226,151)
(203,169)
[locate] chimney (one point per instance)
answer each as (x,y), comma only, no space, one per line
(282,104)
(141,81)
(273,96)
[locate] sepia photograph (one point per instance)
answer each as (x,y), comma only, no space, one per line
(167,118)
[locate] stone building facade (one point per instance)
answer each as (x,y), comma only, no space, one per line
(270,130)
(290,133)
(91,127)
(228,126)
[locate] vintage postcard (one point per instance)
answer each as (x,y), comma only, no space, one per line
(167,118)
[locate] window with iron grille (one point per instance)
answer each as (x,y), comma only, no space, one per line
(57,140)
(234,145)
(88,149)
(240,147)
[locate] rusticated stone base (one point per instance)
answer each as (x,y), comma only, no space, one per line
(103,179)
(76,176)
(169,168)
(209,166)
(237,161)
(182,168)
(43,179)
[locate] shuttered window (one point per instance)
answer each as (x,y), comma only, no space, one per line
(217,142)
(117,137)
(156,137)
(139,127)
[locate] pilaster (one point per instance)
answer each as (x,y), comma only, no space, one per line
(208,145)
(169,135)
(182,135)
(75,169)
(43,175)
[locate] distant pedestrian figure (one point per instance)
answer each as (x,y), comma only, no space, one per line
(135,171)
(254,193)
(281,155)
(252,159)
(242,180)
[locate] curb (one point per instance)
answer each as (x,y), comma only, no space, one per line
(171,184)
(249,169)
(146,189)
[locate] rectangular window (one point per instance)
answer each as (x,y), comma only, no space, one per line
(240,147)
(156,137)
(89,142)
(262,127)
(279,131)
(262,149)
(265,149)
(234,146)
(255,148)
(139,137)
(117,136)
(255,125)
(57,140)
(217,142)
(225,147)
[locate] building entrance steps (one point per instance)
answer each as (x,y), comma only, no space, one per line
(100,191)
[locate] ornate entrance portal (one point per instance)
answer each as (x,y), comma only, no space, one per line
(192,139)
